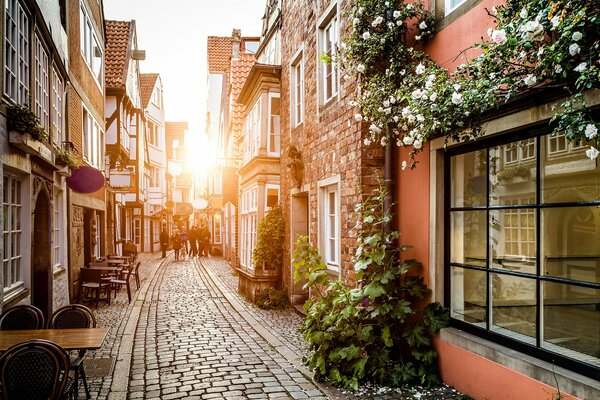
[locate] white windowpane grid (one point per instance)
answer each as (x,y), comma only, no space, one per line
(329,47)
(217,229)
(90,47)
(93,141)
(42,84)
(330,226)
(274,124)
(16,52)
(298,95)
(519,226)
(57,242)
(57,109)
(12,208)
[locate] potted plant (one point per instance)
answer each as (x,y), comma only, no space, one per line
(24,128)
(66,159)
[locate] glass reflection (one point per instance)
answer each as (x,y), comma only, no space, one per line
(513,173)
(469,179)
(512,239)
(513,307)
(468,237)
(572,321)
(571,243)
(469,296)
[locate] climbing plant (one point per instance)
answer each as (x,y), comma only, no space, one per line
(533,45)
(375,331)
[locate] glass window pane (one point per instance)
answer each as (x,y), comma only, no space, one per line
(572,321)
(512,239)
(468,233)
(571,243)
(568,175)
(469,180)
(513,173)
(469,296)
(513,307)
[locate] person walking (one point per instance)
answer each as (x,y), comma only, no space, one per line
(176,240)
(205,237)
(164,242)
(193,237)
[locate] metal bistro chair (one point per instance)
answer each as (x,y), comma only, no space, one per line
(23,316)
(70,317)
(35,370)
(123,282)
(136,274)
(92,284)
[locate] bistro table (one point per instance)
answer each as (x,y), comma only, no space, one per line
(68,339)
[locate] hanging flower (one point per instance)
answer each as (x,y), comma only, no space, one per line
(423,25)
(404,165)
(555,21)
(377,21)
(530,80)
(418,144)
(356,21)
(366,35)
(577,36)
(590,131)
(367,141)
(581,67)
(420,69)
(358,117)
(592,153)
(360,68)
(433,97)
(499,36)
(457,98)
(397,14)
(523,14)
(574,49)
(558,69)
(408,140)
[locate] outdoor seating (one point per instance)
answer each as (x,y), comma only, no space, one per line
(71,317)
(123,282)
(23,316)
(36,369)
(136,274)
(92,286)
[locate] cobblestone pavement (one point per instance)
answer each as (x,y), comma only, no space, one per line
(188,334)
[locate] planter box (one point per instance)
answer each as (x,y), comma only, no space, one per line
(250,285)
(63,170)
(24,142)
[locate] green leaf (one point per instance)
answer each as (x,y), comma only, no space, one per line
(436,317)
(387,337)
(373,290)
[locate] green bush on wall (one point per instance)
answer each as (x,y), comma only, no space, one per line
(268,251)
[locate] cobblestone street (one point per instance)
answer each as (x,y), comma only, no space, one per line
(187,334)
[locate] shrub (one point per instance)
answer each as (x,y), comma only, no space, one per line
(272,299)
(269,245)
(21,119)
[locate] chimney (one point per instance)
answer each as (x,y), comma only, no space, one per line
(236,41)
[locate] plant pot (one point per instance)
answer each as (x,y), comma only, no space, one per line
(63,170)
(24,142)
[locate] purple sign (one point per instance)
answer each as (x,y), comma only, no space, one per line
(85,180)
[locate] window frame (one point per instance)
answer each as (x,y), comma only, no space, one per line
(329,232)
(41,76)
(17,52)
(92,140)
(88,41)
(277,151)
(57,108)
(272,186)
(58,244)
(13,208)
(297,89)
(328,31)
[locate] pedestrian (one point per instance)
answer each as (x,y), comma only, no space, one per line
(164,242)
(193,237)
(184,240)
(176,240)
(205,237)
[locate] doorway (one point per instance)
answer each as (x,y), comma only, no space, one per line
(41,255)
(299,226)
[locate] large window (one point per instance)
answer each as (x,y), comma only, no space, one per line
(330,226)
(524,246)
(42,84)
(58,230)
(248,226)
(297,92)
(252,132)
(16,52)
(58,135)
(274,124)
(328,42)
(12,207)
(93,141)
(90,45)
(217,229)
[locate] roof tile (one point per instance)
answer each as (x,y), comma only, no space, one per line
(118,37)
(147,83)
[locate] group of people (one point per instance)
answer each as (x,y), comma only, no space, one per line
(195,242)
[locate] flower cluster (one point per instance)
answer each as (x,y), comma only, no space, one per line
(537,45)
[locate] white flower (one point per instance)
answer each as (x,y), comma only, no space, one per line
(577,36)
(347,77)
(399,22)
(592,153)
(494,10)
(367,141)
(456,87)
(361,10)
(360,68)
(409,6)
(393,100)
(429,84)
(420,69)
(358,117)
(574,49)
(383,141)
(530,80)
(405,112)
(388,110)
(499,36)
(380,109)
(456,98)
(386,103)
(403,72)
(408,140)
(353,103)
(390,25)
(555,21)
(581,67)
(418,144)
(377,21)
(433,97)
(418,37)
(420,118)
(523,14)
(558,69)
(540,52)
(397,14)
(417,94)
(366,35)
(375,129)
(356,21)
(590,131)
(490,31)
(404,165)
(423,25)
(396,118)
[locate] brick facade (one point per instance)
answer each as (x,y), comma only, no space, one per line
(329,139)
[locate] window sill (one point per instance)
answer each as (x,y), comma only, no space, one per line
(568,381)
(59,270)
(328,103)
(445,20)
(14,297)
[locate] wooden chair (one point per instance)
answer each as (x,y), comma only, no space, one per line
(35,370)
(92,284)
(70,317)
(136,274)
(123,282)
(23,316)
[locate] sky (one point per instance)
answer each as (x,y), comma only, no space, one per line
(174,33)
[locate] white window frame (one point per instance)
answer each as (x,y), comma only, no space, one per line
(58,230)
(97,237)
(16,52)
(217,224)
(330,230)
(448,7)
(272,186)
(12,204)
(57,110)
(277,132)
(328,42)
(252,129)
(91,51)
(92,140)
(297,89)
(249,216)
(42,83)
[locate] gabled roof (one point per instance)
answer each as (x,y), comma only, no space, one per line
(119,37)
(239,72)
(219,54)
(147,83)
